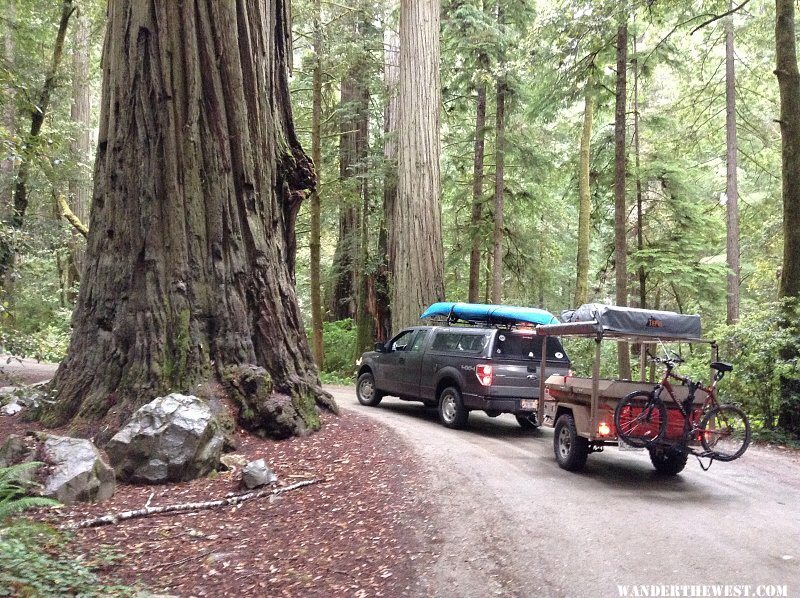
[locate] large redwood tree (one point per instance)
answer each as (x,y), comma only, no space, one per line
(198,180)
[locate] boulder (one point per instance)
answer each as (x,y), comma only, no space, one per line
(15,399)
(257,473)
(78,472)
(16,450)
(171,439)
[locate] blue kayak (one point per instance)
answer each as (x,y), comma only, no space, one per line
(497,314)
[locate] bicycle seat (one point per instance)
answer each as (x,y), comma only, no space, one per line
(721,366)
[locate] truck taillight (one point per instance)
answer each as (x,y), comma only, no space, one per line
(604,429)
(485,374)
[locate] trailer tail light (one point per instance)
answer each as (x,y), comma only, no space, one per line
(604,429)
(485,374)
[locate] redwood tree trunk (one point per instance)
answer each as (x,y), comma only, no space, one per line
(499,189)
(416,235)
(620,212)
(198,180)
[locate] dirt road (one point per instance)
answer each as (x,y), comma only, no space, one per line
(512,523)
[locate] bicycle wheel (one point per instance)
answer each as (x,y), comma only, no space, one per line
(640,419)
(725,432)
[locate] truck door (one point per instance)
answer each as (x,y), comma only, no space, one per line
(393,363)
(410,374)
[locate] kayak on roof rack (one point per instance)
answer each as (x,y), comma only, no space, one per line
(492,314)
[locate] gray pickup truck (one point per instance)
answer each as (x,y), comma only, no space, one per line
(460,369)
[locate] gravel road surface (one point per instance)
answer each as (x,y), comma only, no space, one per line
(512,523)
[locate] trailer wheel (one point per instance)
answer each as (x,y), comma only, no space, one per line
(571,450)
(668,461)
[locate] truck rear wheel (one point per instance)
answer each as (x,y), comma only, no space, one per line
(366,393)
(668,461)
(452,412)
(571,450)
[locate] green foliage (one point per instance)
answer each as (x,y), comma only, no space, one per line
(37,560)
(15,483)
(339,339)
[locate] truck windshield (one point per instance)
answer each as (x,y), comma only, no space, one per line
(513,345)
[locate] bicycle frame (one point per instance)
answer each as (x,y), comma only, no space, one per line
(686,407)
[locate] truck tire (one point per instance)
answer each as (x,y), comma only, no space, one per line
(527,421)
(668,461)
(571,450)
(452,412)
(366,393)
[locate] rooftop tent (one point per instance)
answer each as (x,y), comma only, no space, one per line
(493,314)
(611,320)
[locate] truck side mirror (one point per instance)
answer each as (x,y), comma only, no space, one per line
(379,347)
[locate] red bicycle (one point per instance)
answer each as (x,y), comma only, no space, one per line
(722,430)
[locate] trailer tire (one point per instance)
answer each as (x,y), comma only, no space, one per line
(668,461)
(571,450)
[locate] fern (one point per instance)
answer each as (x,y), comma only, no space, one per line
(15,483)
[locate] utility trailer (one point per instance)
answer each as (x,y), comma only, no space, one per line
(581,409)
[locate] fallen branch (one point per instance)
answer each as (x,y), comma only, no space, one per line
(146,511)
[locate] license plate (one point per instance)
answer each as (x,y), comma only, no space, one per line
(624,446)
(528,404)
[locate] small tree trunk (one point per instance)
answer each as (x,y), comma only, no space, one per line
(9,114)
(731,188)
(499,178)
(585,200)
(638,164)
(620,211)
(477,195)
(789,87)
(20,201)
(316,156)
(416,236)
(391,79)
(79,189)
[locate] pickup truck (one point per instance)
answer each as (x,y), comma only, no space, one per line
(459,369)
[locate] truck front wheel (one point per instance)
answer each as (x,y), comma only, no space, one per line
(366,393)
(571,450)
(452,412)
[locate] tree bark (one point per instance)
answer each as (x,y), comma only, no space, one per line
(499,178)
(9,114)
(731,187)
(620,211)
(38,113)
(316,156)
(789,87)
(584,200)
(198,180)
(416,235)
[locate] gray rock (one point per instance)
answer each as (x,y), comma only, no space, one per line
(11,408)
(15,450)
(14,399)
(79,473)
(171,439)
(257,473)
